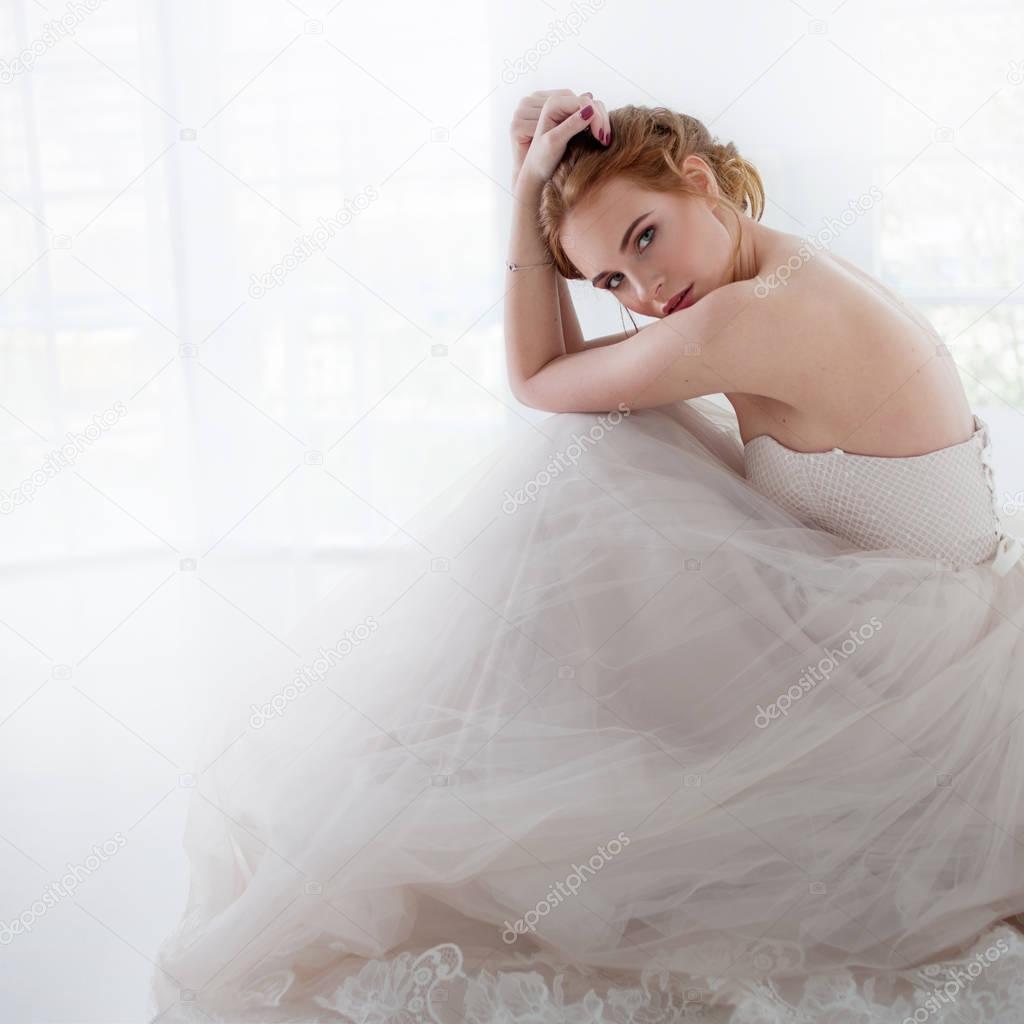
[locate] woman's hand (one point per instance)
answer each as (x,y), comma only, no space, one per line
(544,122)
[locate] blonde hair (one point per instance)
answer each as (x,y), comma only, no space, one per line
(649,145)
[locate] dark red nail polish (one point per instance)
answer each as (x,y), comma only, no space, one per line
(586,112)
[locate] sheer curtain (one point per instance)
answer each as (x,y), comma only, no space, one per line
(251,322)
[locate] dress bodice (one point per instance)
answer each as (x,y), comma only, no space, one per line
(940,505)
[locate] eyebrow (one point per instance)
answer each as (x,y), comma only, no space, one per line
(622,246)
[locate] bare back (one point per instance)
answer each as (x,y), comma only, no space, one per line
(869,375)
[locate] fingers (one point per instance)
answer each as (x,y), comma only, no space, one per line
(599,123)
(535,101)
(529,107)
(528,112)
(594,122)
(532,105)
(583,118)
(545,109)
(603,131)
(584,100)
(557,108)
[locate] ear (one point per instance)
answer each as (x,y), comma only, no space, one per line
(699,174)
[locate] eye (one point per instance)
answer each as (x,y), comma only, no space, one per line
(643,233)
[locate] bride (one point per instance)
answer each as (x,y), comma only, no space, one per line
(660,712)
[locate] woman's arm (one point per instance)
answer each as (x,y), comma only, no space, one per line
(540,321)
(533,324)
(525,125)
(731,340)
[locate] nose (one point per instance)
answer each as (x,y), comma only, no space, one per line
(651,292)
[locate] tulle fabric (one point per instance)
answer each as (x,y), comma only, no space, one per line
(611,710)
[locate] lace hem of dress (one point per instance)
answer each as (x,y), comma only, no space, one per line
(985,983)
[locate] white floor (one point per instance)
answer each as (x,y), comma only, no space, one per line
(105,749)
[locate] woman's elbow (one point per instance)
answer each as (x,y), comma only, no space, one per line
(534,398)
(546,401)
(524,394)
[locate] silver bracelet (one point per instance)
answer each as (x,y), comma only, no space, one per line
(529,266)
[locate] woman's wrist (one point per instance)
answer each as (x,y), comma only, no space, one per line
(528,188)
(526,248)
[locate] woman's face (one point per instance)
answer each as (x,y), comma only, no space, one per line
(646,247)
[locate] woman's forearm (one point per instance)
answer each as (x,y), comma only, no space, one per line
(572,336)
(533,323)
(540,317)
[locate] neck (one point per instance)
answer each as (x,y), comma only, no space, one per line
(752,237)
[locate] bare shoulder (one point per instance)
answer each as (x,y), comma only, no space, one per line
(769,338)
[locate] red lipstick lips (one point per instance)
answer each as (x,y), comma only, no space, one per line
(680,301)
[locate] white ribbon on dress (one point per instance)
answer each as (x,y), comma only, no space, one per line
(1008,554)
(1010,549)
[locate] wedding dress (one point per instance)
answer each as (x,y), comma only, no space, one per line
(640,725)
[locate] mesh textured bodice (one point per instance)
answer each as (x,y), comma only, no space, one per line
(940,505)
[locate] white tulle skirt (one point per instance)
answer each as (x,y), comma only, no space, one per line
(614,734)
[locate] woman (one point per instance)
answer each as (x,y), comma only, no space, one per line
(825,357)
(662,711)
